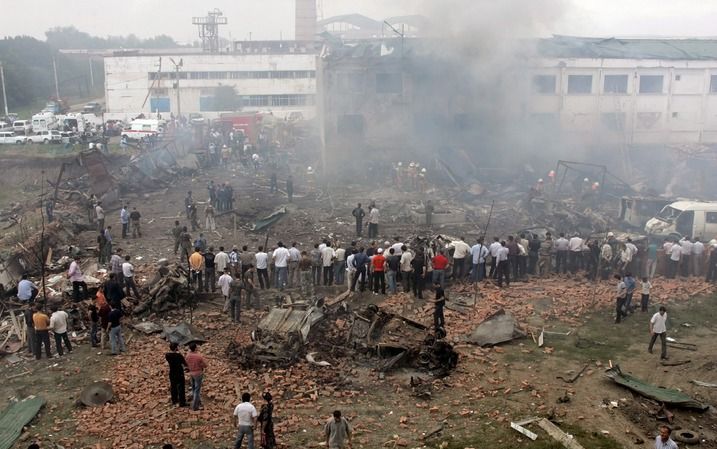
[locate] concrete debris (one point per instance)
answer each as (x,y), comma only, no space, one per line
(182,334)
(498,328)
(148,327)
(167,292)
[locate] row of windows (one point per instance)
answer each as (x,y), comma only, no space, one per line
(355,82)
(612,84)
(207,103)
(221,75)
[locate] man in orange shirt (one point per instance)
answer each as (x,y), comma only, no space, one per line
(196,365)
(196,267)
(378,264)
(42,332)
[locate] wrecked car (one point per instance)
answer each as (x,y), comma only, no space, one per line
(399,341)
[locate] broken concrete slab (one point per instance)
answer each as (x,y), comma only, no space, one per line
(497,328)
(182,334)
(148,327)
(665,395)
(568,441)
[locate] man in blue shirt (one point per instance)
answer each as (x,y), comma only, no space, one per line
(26,290)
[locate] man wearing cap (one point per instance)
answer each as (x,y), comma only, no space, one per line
(378,267)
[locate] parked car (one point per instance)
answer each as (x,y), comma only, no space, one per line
(52,136)
(69,137)
(8,137)
(22,126)
(92,108)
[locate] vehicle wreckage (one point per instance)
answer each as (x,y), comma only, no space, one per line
(299,330)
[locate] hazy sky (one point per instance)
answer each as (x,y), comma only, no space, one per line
(270,19)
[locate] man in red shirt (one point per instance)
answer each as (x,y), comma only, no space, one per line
(440,263)
(196,365)
(378,264)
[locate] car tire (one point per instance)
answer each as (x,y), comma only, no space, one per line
(686,436)
(45,141)
(19,142)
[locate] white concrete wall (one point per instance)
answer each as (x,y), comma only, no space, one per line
(127,81)
(685,111)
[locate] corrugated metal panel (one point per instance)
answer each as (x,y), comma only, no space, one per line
(15,417)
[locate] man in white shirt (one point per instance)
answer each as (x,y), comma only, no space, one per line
(663,440)
(674,261)
(460,251)
(503,269)
(350,269)
(658,328)
(406,268)
(396,248)
(281,263)
(633,252)
(262,267)
(339,264)
(562,248)
(100,214)
(128,274)
(124,220)
(621,298)
(78,280)
(478,254)
(327,262)
(294,258)
(246,415)
(224,282)
(698,254)
(575,245)
(221,260)
(686,259)
(493,250)
(373,217)
(58,326)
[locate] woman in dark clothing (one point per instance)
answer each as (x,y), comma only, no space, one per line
(268,440)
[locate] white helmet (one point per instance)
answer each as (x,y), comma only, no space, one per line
(400,164)
(540,180)
(308,169)
(597,184)
(586,180)
(411,164)
(423,170)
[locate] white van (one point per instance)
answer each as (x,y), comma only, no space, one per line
(44,122)
(142,128)
(685,218)
(22,126)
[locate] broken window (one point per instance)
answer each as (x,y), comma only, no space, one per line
(713,84)
(544,84)
(615,84)
(389,83)
(651,84)
(580,84)
(350,124)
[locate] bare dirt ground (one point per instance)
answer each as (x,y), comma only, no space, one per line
(475,404)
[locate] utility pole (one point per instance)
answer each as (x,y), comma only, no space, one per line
(57,85)
(92,75)
(4,95)
(176,84)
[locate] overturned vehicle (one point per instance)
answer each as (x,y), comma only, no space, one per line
(282,335)
(399,341)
